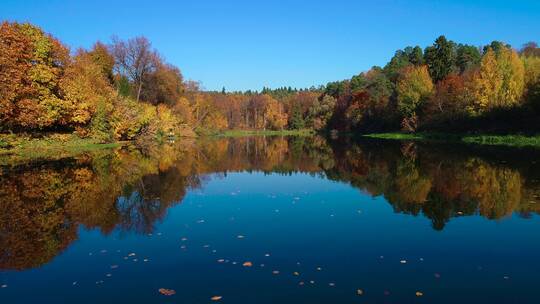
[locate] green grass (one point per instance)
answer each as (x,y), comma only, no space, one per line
(16,149)
(482,139)
(242,133)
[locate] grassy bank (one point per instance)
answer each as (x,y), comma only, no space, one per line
(242,133)
(482,139)
(16,148)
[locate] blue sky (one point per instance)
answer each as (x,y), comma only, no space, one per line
(250,44)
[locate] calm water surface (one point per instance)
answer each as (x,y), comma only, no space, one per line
(273,220)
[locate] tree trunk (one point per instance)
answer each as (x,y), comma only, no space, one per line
(139,91)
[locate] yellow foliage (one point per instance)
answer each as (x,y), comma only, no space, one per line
(499,82)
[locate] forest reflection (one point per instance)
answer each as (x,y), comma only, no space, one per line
(43,204)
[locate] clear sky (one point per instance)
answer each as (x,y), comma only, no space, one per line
(250,44)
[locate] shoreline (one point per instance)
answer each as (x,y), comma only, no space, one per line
(17,149)
(511,140)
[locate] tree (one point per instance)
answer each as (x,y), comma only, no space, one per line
(414,87)
(370,102)
(296,120)
(396,63)
(16,52)
(136,60)
(163,85)
(530,49)
(85,87)
(532,80)
(500,80)
(440,58)
(32,65)
(487,83)
(468,57)
(321,112)
(513,78)
(104,59)
(275,116)
(449,100)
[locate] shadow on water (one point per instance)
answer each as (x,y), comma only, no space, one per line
(43,204)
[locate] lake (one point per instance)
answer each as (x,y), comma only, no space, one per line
(273,220)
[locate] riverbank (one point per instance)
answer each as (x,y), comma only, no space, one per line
(514,140)
(14,149)
(242,133)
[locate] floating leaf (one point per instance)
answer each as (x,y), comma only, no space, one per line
(166,292)
(247,264)
(216,298)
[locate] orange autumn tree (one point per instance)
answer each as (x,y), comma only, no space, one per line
(36,61)
(276,118)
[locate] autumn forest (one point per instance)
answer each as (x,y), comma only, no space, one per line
(126,90)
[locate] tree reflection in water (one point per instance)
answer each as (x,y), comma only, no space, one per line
(44,203)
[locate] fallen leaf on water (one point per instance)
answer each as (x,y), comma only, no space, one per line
(359,292)
(131,254)
(403,261)
(419,293)
(247,264)
(216,298)
(166,292)
(296,273)
(221,260)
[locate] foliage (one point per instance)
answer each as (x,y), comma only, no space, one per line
(413,88)
(440,58)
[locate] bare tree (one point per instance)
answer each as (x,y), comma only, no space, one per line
(135,59)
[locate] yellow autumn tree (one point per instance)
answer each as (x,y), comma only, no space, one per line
(413,88)
(85,86)
(532,80)
(499,82)
(513,78)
